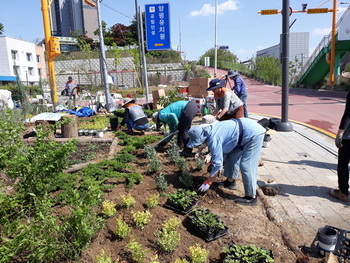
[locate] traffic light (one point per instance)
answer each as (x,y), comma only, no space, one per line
(54,47)
(304,6)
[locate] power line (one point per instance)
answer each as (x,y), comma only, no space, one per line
(116,11)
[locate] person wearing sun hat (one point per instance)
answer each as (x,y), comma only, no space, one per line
(227,104)
(178,115)
(134,116)
(237,143)
(239,88)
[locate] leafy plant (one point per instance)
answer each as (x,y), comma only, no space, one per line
(246,254)
(127,200)
(178,260)
(141,218)
(198,254)
(161,182)
(205,220)
(108,208)
(182,197)
(138,254)
(154,162)
(200,162)
(186,179)
(168,236)
(182,163)
(173,151)
(152,201)
(104,258)
(122,229)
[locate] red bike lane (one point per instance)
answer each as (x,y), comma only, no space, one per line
(318,109)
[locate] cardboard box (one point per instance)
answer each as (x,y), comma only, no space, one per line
(157,106)
(157,94)
(204,81)
(193,81)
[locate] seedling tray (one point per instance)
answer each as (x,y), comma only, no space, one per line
(205,235)
(170,205)
(342,247)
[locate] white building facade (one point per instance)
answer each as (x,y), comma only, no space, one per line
(24,57)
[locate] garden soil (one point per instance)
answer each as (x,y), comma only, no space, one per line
(246,224)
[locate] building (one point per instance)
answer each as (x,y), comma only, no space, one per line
(73,15)
(298,48)
(24,57)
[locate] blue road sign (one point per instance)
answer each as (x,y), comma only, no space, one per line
(157,26)
(223,47)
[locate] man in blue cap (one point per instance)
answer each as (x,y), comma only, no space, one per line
(237,143)
(239,88)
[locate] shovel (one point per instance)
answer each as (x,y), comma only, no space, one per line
(162,140)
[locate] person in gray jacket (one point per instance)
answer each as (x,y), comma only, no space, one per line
(134,117)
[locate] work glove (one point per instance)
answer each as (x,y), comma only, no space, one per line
(207,158)
(204,187)
(338,141)
(119,127)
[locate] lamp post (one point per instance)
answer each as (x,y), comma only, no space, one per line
(216,39)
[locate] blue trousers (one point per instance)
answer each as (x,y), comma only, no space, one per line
(243,98)
(246,159)
(131,125)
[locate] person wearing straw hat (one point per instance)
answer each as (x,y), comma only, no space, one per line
(134,117)
(228,105)
(237,143)
(178,115)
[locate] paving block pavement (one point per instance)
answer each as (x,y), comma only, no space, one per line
(301,165)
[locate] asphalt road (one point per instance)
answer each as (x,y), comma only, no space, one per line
(318,109)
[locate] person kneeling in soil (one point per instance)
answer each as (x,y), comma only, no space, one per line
(237,143)
(178,115)
(134,117)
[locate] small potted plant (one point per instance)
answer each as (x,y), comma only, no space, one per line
(207,224)
(247,254)
(182,201)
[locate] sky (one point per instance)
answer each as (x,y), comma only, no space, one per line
(192,22)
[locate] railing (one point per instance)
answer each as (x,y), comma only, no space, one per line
(325,42)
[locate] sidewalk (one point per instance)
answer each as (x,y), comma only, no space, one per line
(302,166)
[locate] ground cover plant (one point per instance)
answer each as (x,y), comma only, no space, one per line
(68,222)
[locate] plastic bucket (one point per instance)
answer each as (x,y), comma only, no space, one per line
(267,139)
(327,238)
(114,123)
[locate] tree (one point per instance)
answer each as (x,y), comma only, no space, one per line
(1,28)
(267,68)
(223,55)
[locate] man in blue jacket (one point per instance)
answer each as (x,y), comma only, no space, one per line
(178,116)
(239,89)
(237,143)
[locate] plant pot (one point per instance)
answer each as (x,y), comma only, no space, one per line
(100,134)
(178,208)
(204,231)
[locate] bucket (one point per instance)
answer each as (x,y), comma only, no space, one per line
(267,139)
(327,238)
(114,123)
(100,134)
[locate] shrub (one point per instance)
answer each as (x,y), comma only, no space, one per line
(161,182)
(141,218)
(138,254)
(122,229)
(152,201)
(198,254)
(108,208)
(127,200)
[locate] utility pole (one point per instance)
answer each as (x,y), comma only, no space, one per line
(103,62)
(52,50)
(144,62)
(216,40)
(285,125)
(332,55)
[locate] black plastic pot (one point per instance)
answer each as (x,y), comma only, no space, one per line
(178,208)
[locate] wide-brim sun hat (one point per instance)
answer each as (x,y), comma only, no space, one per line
(216,83)
(155,117)
(208,120)
(196,135)
(232,73)
(128,101)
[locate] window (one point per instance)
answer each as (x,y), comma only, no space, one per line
(38,58)
(39,72)
(14,54)
(30,71)
(16,70)
(29,56)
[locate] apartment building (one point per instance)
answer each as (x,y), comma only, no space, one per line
(23,57)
